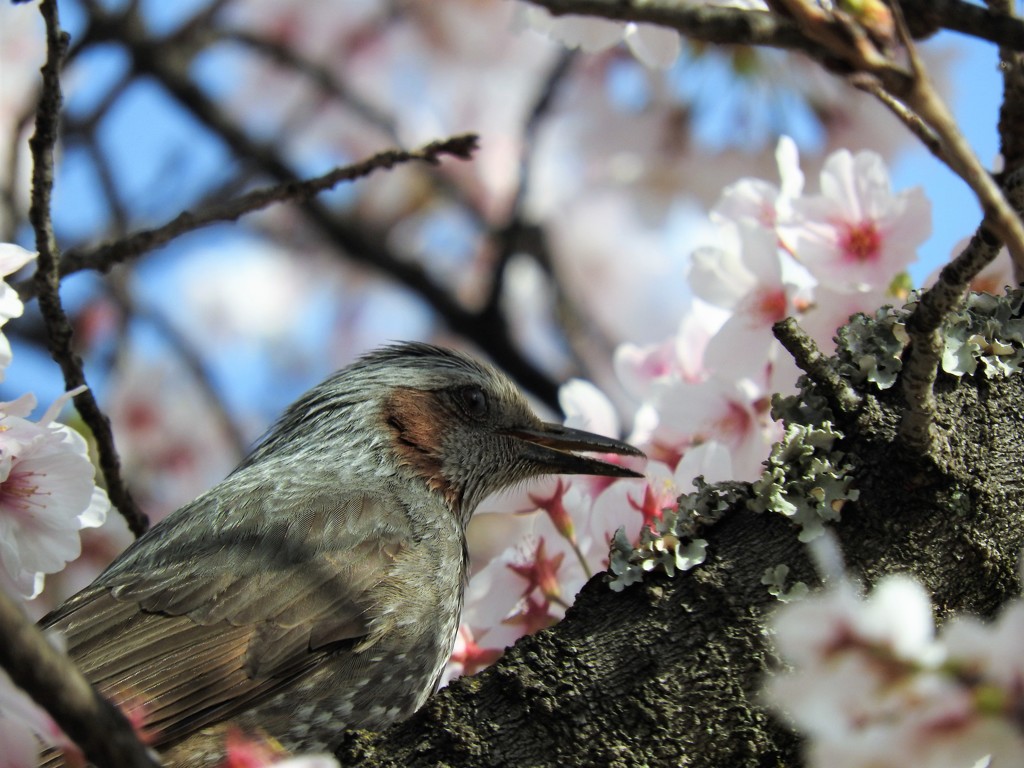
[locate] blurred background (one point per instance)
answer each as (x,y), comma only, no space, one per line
(567,235)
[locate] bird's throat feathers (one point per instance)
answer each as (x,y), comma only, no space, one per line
(412,418)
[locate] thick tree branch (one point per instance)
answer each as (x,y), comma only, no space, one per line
(97,727)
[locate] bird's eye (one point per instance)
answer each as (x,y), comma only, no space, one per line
(474,401)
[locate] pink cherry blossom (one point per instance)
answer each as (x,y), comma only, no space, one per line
(733,413)
(869,683)
(857,235)
(749,282)
(757,202)
(467,657)
(47,494)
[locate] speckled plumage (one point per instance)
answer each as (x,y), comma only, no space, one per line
(319,586)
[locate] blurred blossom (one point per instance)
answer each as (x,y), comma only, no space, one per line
(24,728)
(47,494)
(870,685)
(22,51)
(655,46)
(624,270)
(528,301)
(12,258)
(170,443)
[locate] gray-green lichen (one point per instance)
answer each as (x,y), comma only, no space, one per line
(986,330)
(775,580)
(870,348)
(670,543)
(805,477)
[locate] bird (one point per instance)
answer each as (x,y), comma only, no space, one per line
(319,586)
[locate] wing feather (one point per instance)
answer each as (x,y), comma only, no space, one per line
(198,634)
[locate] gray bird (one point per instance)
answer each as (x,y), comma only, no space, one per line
(319,586)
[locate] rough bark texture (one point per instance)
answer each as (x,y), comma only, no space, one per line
(667,672)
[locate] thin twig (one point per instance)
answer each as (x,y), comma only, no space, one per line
(840,395)
(104,257)
(911,120)
(47,278)
(1011,110)
(924,100)
(321,76)
(917,427)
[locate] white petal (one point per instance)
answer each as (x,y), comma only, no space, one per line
(656,47)
(13,257)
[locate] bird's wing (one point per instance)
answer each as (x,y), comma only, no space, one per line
(195,634)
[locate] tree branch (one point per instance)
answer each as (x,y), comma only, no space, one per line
(99,728)
(104,257)
(840,395)
(47,277)
(735,26)
(489,331)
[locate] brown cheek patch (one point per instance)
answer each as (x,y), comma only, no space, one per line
(414,419)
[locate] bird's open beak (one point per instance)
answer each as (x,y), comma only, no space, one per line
(552,446)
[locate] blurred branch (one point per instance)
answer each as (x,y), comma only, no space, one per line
(192,360)
(331,85)
(706,23)
(1011,111)
(736,26)
(100,730)
(510,238)
(321,76)
(104,257)
(47,277)
(490,332)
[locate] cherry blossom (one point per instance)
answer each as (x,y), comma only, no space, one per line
(750,283)
(733,413)
(12,258)
(47,494)
(24,728)
(761,203)
(856,235)
(870,684)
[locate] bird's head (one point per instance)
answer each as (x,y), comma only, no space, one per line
(459,425)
